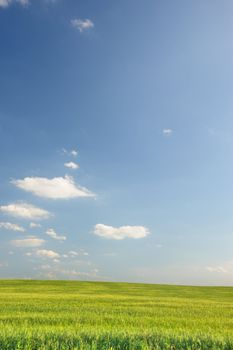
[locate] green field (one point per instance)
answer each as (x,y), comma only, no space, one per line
(94,315)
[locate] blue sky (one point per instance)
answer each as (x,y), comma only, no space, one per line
(116,140)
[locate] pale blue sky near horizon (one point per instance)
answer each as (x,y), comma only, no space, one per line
(142,90)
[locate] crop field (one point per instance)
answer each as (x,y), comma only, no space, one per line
(94,315)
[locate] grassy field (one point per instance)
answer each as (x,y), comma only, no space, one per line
(89,315)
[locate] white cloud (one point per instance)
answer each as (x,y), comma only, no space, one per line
(25,210)
(81,24)
(73,152)
(34,225)
(225,267)
(122,232)
(56,260)
(28,242)
(28,254)
(73,253)
(6,3)
(52,233)
(167,132)
(56,188)
(80,252)
(50,254)
(11,227)
(71,165)
(218,269)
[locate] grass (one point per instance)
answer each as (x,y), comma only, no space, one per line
(52,315)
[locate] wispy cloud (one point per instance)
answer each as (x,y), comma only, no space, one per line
(25,211)
(55,188)
(6,3)
(53,234)
(80,252)
(3,264)
(167,132)
(72,153)
(71,165)
(82,24)
(219,269)
(34,225)
(11,227)
(28,242)
(122,232)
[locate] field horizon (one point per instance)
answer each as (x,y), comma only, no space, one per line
(121,282)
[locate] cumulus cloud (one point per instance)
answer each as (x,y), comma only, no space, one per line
(81,24)
(71,165)
(53,234)
(167,132)
(6,3)
(11,227)
(44,253)
(28,242)
(25,211)
(122,232)
(55,188)
(34,225)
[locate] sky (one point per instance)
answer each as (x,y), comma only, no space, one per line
(116,140)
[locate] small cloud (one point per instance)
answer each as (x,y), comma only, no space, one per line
(80,252)
(3,264)
(28,242)
(110,254)
(55,188)
(167,132)
(73,253)
(72,153)
(71,165)
(122,232)
(34,225)
(11,227)
(44,267)
(218,269)
(159,246)
(50,232)
(44,253)
(28,254)
(82,24)
(25,211)
(6,3)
